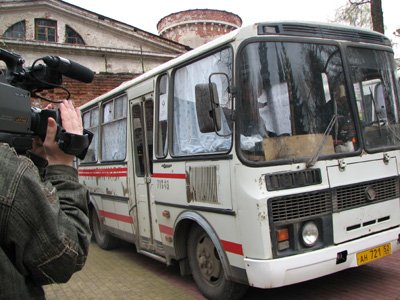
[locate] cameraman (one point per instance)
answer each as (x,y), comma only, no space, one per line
(44,227)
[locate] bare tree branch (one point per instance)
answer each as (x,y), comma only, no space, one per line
(355,15)
(358,13)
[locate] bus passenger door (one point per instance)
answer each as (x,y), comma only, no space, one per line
(142,156)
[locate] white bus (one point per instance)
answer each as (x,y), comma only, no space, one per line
(264,158)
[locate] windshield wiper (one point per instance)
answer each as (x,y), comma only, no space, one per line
(311,162)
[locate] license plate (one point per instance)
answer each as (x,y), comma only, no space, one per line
(373,254)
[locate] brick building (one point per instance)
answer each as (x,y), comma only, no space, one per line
(115,51)
(196,27)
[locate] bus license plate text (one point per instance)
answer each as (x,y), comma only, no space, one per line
(373,254)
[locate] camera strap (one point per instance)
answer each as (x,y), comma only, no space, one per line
(74,144)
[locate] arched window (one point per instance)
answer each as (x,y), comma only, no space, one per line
(72,37)
(16,31)
(46,30)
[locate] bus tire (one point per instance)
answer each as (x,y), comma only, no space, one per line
(102,237)
(207,270)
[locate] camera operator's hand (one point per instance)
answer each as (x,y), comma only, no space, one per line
(37,143)
(37,147)
(72,123)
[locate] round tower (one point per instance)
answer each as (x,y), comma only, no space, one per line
(196,27)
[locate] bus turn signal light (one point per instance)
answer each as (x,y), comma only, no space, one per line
(282,234)
(282,237)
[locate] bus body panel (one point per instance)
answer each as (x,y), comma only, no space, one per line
(109,189)
(169,183)
(351,224)
(374,178)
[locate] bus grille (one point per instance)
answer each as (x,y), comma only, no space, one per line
(352,196)
(299,206)
(202,184)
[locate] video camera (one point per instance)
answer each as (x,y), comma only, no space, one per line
(18,120)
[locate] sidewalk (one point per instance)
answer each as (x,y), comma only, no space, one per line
(124,274)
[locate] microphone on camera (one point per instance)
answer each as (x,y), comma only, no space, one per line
(69,68)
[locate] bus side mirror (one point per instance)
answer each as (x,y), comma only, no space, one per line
(207,107)
(379,97)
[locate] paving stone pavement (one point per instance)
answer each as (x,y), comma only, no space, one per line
(124,274)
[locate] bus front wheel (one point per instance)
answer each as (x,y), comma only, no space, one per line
(207,269)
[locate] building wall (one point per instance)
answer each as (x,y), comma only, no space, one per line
(110,46)
(81,92)
(114,50)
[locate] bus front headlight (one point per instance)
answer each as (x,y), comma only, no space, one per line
(309,233)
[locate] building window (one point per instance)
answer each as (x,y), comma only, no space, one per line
(72,37)
(46,30)
(16,31)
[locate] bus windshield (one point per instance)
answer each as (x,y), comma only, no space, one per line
(294,104)
(373,77)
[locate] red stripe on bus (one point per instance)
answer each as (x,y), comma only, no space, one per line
(165,229)
(103,175)
(231,247)
(107,169)
(169,175)
(104,172)
(114,216)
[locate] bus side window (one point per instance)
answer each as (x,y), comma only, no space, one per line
(162,126)
(138,140)
(91,123)
(149,113)
(113,133)
(187,136)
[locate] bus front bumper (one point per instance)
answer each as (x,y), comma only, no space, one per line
(297,268)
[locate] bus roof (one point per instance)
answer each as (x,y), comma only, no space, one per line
(288,28)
